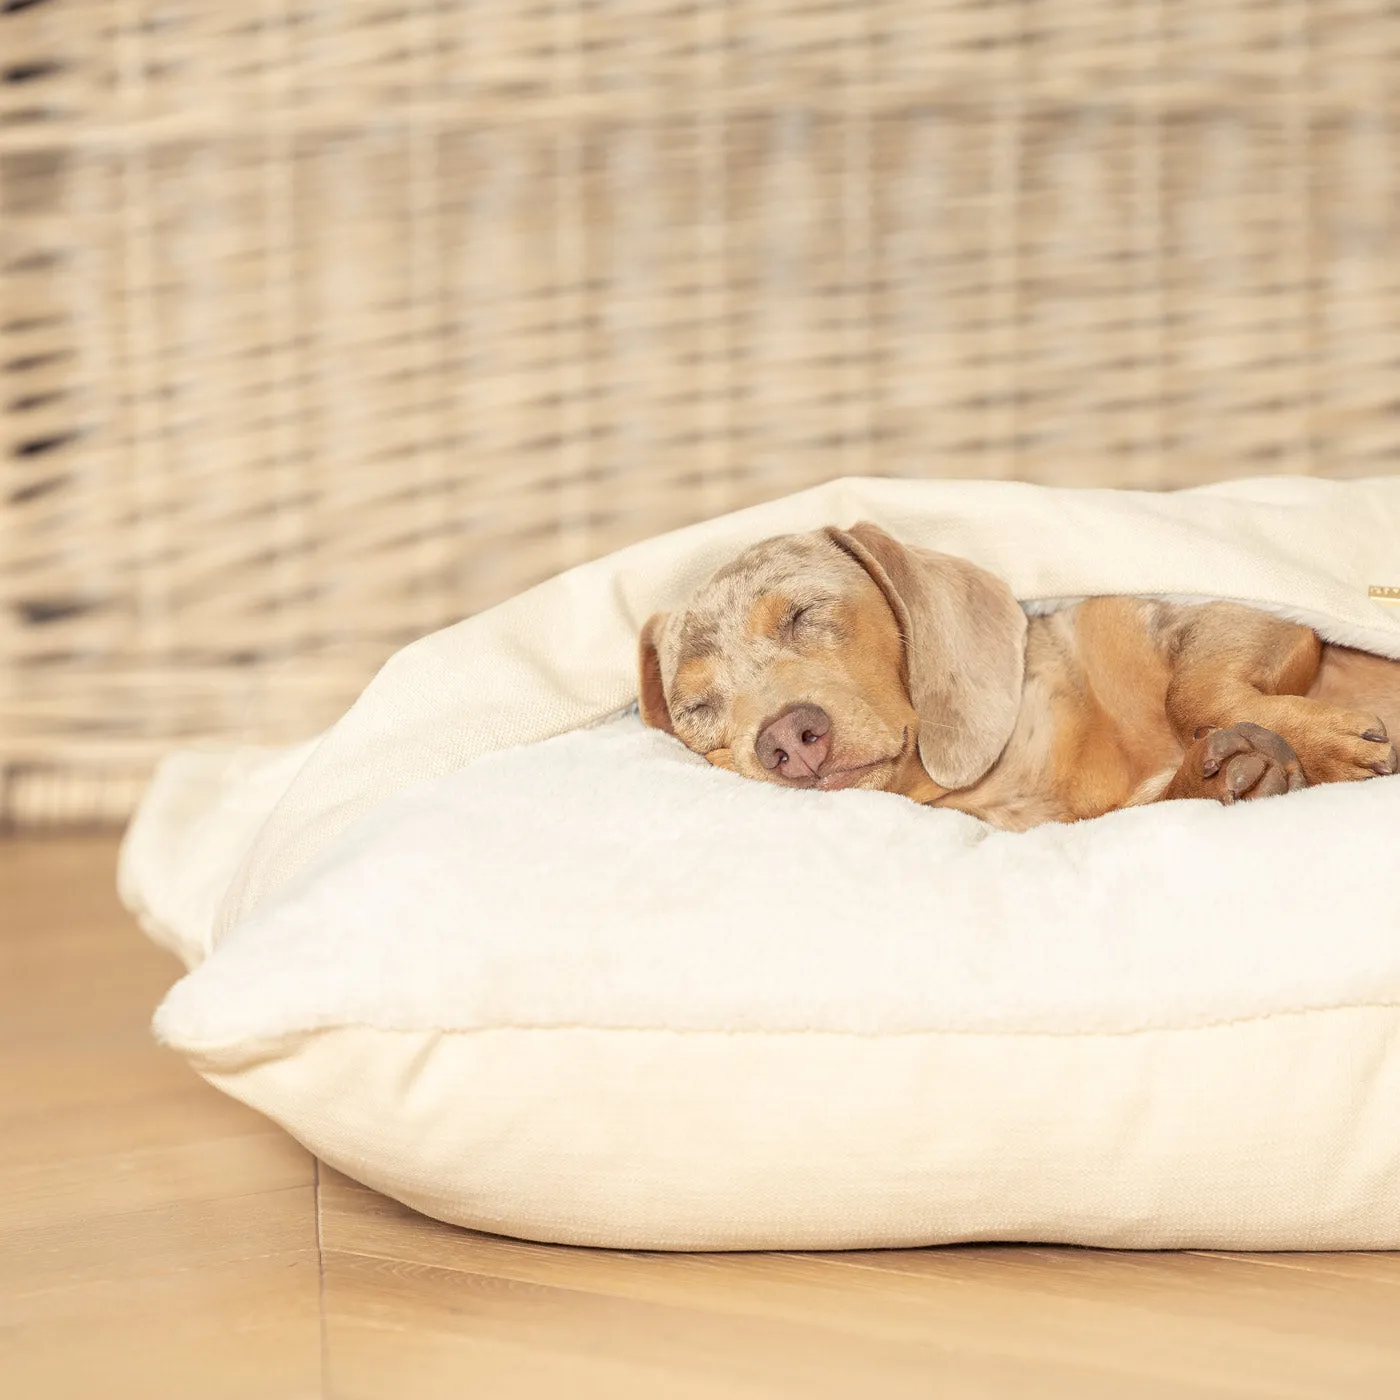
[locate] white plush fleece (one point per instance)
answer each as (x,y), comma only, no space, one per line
(563,655)
(609,878)
(586,988)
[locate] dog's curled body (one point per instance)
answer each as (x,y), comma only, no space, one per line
(847,659)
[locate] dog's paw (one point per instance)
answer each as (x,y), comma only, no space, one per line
(1342,746)
(1238,764)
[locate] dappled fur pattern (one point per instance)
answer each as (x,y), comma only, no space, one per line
(938,687)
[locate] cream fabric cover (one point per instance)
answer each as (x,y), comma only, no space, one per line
(1252,1112)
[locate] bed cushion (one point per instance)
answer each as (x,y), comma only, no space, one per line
(591,990)
(595,991)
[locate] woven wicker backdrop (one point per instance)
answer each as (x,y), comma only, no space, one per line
(326,323)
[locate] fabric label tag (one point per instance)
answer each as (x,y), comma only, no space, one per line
(1385,595)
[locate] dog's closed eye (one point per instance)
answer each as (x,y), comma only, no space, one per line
(807,619)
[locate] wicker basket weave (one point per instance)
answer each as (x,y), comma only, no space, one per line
(325,322)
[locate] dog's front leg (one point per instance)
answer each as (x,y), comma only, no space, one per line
(1237,701)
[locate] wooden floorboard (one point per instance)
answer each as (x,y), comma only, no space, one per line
(157,1239)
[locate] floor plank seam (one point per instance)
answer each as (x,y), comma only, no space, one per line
(321,1274)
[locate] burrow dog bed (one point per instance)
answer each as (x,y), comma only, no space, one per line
(593,990)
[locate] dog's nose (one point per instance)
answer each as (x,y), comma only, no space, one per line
(795,745)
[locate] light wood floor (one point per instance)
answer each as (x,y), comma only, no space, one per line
(159,1240)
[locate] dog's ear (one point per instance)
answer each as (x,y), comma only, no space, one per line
(964,650)
(651,695)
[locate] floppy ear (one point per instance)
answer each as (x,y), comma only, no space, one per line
(964,650)
(651,697)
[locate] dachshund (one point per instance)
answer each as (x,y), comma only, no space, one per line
(843,658)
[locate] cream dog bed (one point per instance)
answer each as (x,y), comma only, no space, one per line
(592,990)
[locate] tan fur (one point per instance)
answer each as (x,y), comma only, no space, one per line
(651,697)
(766,614)
(1351,679)
(938,688)
(964,655)
(697,674)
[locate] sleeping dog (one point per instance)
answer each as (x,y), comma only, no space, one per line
(843,658)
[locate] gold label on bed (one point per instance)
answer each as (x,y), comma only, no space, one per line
(1385,595)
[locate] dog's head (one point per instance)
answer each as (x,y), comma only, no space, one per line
(841,658)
